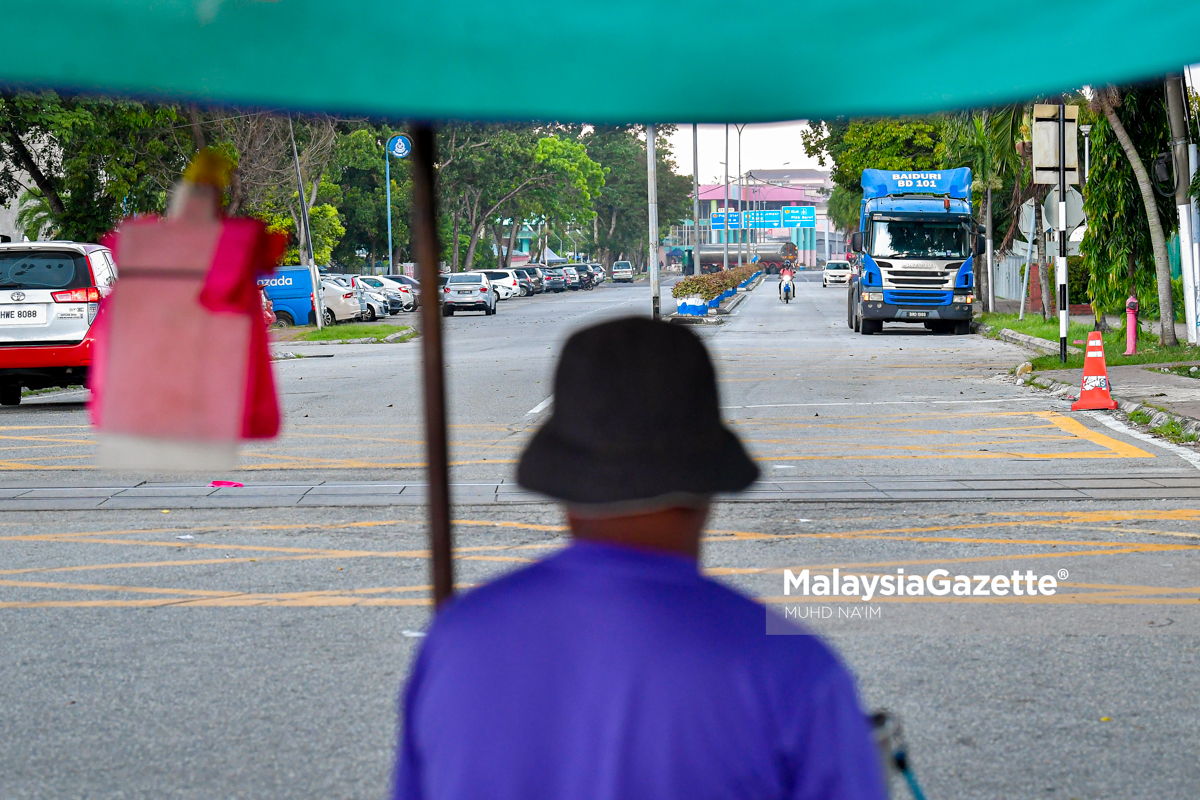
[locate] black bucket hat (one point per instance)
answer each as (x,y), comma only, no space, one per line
(635,418)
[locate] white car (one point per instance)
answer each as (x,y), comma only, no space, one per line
(599,272)
(836,272)
(504,281)
(379,284)
(377,305)
(468,291)
(622,272)
(341,303)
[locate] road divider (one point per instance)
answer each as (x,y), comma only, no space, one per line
(702,295)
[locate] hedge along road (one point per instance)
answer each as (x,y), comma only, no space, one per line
(258,651)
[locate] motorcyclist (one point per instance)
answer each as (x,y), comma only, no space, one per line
(785,283)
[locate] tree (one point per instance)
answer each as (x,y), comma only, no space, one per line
(35,217)
(94,160)
(358,168)
(902,143)
(845,206)
(1125,220)
(985,141)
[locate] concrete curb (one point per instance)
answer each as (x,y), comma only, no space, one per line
(1032,342)
(1124,405)
(391,338)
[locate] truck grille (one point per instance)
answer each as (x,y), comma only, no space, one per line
(940,277)
(917,298)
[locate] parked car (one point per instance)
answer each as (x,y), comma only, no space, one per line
(399,295)
(413,285)
(601,275)
(341,302)
(267,307)
(290,291)
(377,305)
(537,274)
(531,278)
(622,272)
(469,291)
(50,293)
(572,277)
(555,280)
(835,272)
(505,282)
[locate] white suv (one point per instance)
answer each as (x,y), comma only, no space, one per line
(622,271)
(836,272)
(50,293)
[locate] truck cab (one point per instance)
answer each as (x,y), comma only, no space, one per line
(917,243)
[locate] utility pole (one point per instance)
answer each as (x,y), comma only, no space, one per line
(726,236)
(652,198)
(314,276)
(741,196)
(1061,266)
(695,200)
(1183,200)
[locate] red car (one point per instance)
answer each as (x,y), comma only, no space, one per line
(50,293)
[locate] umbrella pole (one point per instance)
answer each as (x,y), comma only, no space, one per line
(427,250)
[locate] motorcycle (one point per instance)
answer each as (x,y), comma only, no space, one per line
(786,289)
(586,281)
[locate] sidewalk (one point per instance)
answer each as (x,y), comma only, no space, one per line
(1145,384)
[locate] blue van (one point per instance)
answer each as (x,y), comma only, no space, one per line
(290,291)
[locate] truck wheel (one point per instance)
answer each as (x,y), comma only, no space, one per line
(869,326)
(10,394)
(962,327)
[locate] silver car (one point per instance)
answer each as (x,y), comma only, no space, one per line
(50,293)
(468,291)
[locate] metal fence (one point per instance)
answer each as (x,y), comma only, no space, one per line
(1007,269)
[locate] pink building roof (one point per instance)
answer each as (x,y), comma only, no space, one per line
(781,194)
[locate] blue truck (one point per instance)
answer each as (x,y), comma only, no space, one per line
(918,245)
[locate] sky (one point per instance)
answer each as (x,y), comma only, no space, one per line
(773,145)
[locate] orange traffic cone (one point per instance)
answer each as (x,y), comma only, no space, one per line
(1094,393)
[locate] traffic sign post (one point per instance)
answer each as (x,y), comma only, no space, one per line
(799,216)
(1056,161)
(399,146)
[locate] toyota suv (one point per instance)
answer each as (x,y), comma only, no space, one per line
(50,293)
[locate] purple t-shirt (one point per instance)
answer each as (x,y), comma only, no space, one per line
(609,673)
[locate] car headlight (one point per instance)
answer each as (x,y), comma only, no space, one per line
(964,298)
(872,297)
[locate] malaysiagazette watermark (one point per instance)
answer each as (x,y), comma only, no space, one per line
(939,583)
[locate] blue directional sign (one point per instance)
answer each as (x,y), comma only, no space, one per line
(799,216)
(718,220)
(399,146)
(768,218)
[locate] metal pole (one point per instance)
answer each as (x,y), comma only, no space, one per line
(1028,262)
(695,200)
(313,274)
(427,249)
(652,200)
(991,270)
(387,170)
(1063,308)
(726,236)
(1086,130)
(741,197)
(1183,201)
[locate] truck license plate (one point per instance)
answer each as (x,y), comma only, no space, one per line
(23,314)
(917,314)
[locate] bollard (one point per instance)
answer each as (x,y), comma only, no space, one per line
(1131,325)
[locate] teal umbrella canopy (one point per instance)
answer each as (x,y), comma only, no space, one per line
(592,60)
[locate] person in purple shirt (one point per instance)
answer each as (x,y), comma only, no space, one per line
(614,670)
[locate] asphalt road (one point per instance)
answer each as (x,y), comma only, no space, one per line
(257,650)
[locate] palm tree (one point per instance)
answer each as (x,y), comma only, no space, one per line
(34,216)
(985,141)
(1106,100)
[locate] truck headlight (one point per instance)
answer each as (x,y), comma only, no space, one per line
(872,297)
(964,298)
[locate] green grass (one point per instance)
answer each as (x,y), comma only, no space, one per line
(1184,371)
(1114,343)
(354,330)
(1173,431)
(1140,417)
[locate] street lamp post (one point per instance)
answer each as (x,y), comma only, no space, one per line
(741,195)
(725,264)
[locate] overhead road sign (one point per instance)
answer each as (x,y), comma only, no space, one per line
(768,218)
(799,216)
(717,221)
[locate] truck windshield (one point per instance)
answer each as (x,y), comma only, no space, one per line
(919,239)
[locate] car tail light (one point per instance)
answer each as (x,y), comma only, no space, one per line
(483,289)
(91,295)
(348,296)
(447,290)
